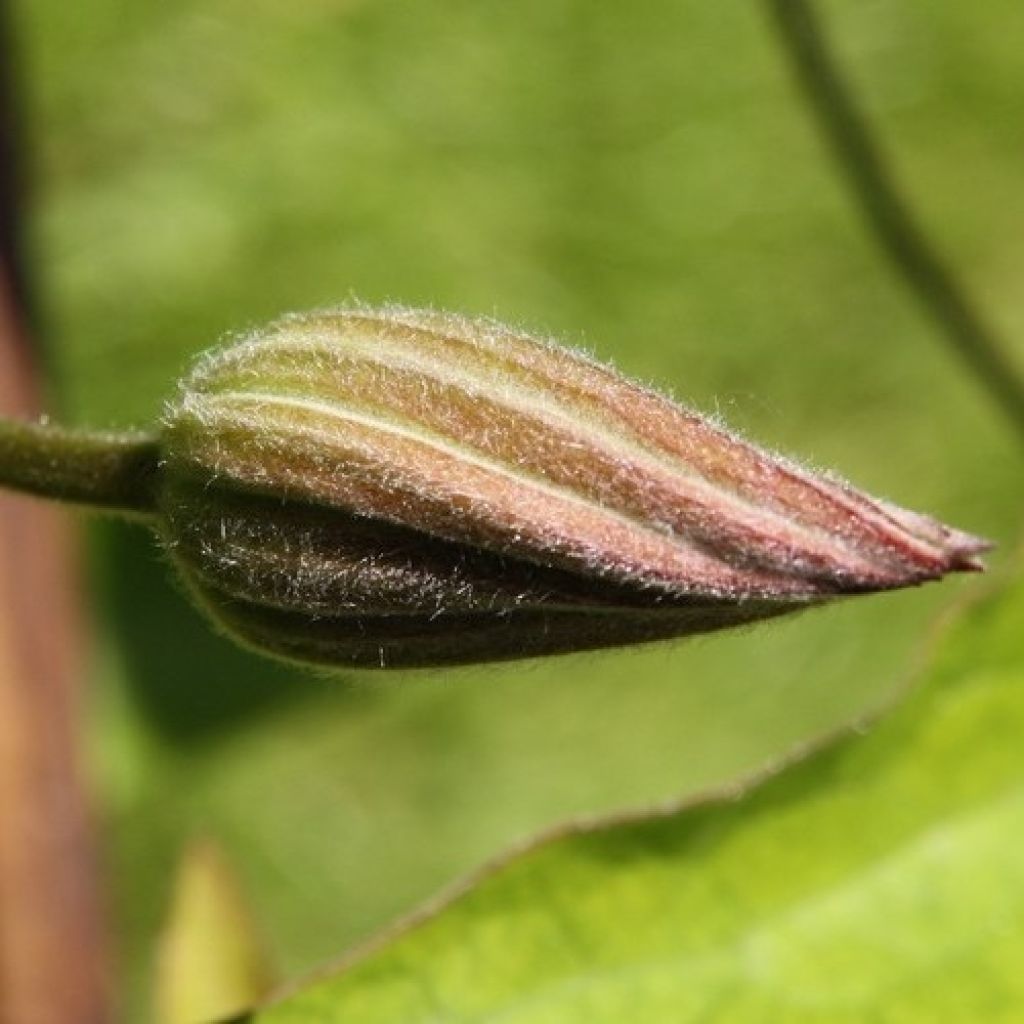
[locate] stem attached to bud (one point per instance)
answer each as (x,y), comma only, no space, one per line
(104,470)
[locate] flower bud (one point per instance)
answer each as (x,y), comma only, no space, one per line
(408,488)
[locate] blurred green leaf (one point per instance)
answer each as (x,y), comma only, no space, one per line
(880,879)
(212,960)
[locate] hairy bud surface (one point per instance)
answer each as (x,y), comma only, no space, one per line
(408,488)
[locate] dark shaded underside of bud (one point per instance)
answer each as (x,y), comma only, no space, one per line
(350,590)
(406,488)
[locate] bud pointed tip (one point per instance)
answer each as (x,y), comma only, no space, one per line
(965,551)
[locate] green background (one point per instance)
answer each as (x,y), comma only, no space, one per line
(642,179)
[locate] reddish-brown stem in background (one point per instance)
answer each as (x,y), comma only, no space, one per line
(52,944)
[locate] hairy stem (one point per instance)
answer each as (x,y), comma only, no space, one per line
(109,471)
(870,179)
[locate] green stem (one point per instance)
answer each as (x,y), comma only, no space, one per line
(871,181)
(109,471)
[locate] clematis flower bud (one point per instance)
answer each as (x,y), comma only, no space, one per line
(407,488)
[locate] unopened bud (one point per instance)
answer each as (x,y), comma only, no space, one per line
(409,488)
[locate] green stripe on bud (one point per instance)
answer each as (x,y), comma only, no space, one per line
(409,488)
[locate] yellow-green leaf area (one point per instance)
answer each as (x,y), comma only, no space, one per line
(879,879)
(213,961)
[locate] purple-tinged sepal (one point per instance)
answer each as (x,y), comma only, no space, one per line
(403,488)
